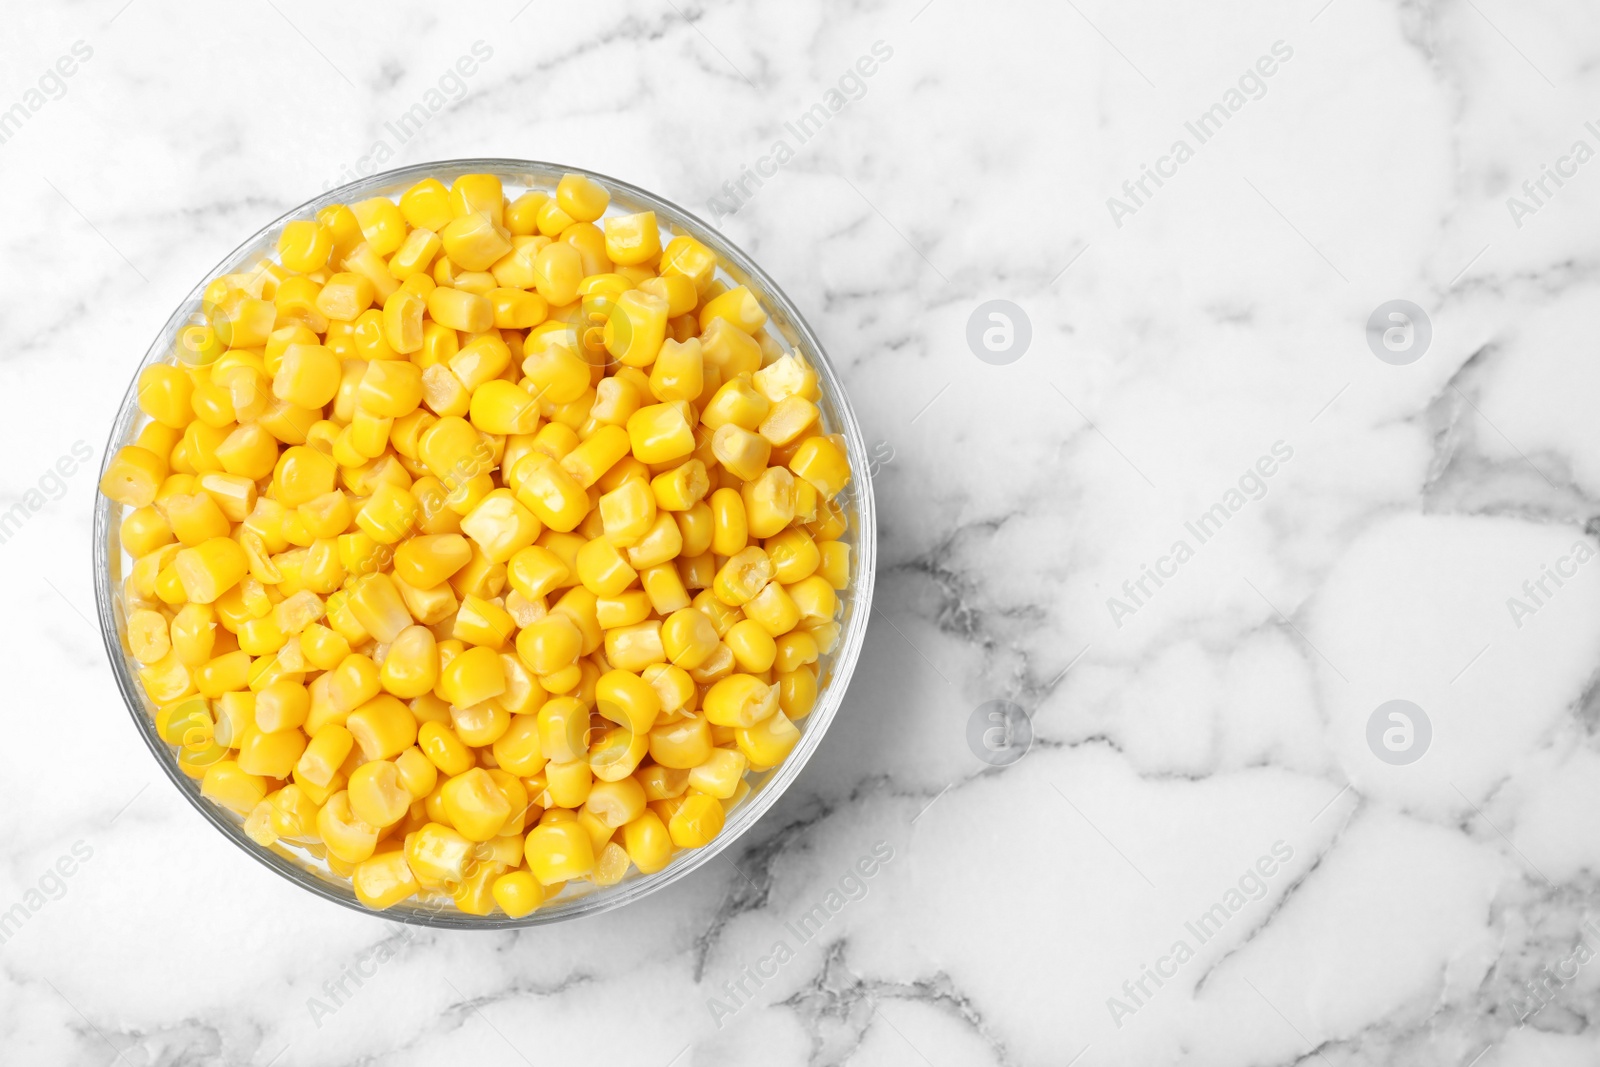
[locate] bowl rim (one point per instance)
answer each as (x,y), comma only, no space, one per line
(858,606)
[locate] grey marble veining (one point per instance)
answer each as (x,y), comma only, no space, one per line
(1201,859)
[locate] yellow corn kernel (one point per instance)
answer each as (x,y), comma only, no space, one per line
(384,880)
(502,407)
(417,773)
(627,700)
(682,487)
(568,783)
(661,783)
(148,638)
(794,650)
(345,296)
(556,373)
(633,648)
(559,852)
(553,220)
(602,569)
(677,290)
(624,609)
(478,193)
(632,239)
(788,419)
(794,555)
(739,306)
(209,569)
(822,463)
(550,492)
(636,328)
(535,571)
(382,224)
(739,700)
(426,205)
(518,893)
(472,677)
(197,518)
(283,705)
(390,388)
(648,843)
(481,576)
(663,542)
(787,376)
(815,599)
(144,530)
(329,748)
(551,644)
(427,560)
(444,749)
(678,372)
(307,376)
(519,749)
(377,795)
(686,256)
(584,199)
(688,638)
(698,819)
(476,805)
(500,526)
(735,403)
(133,476)
(164,392)
(615,804)
(719,776)
(517,310)
(458,309)
(774,609)
(558,270)
(304,245)
(375,602)
(769,741)
(562,726)
(413,257)
(345,834)
(628,513)
(768,501)
(664,588)
(443,392)
(615,401)
(594,457)
(389,515)
(745,574)
(482,622)
(383,726)
(438,854)
(227,784)
(753,648)
(682,744)
(270,755)
(302,474)
(371,265)
(742,453)
(730,528)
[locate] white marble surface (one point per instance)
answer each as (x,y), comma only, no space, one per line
(1223,719)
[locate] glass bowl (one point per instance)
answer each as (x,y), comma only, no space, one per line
(580,898)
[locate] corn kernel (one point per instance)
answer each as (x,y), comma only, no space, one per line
(696,822)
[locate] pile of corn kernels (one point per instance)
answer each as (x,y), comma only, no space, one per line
(479,545)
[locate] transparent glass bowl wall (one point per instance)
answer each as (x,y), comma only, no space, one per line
(310,873)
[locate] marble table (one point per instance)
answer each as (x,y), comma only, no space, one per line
(1285,418)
